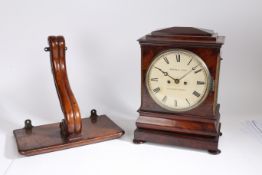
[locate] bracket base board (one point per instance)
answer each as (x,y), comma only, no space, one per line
(48,138)
(178,139)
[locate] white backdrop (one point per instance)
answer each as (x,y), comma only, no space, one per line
(103,62)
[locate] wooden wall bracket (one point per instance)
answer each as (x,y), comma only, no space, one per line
(72,131)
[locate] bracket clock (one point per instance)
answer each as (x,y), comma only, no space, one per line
(179,88)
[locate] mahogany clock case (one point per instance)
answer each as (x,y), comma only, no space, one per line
(200,122)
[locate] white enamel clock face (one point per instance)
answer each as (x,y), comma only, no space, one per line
(178,80)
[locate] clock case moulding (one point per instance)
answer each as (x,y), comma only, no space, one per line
(199,127)
(73,131)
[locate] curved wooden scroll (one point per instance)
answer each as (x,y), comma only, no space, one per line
(72,124)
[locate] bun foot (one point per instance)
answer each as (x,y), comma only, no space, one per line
(214,152)
(138,141)
(220,134)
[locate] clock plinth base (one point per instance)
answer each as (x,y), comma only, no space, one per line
(178,139)
(47,138)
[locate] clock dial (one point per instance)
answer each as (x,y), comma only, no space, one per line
(178,80)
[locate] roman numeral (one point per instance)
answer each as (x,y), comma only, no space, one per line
(198,71)
(189,62)
(200,82)
(195,93)
(187,101)
(175,103)
(154,79)
(194,68)
(166,60)
(156,90)
(178,58)
(164,99)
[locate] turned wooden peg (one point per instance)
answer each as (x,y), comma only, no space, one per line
(28,124)
(93,115)
(72,123)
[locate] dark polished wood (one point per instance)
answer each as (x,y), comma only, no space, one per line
(178,139)
(73,130)
(47,138)
(200,121)
(72,117)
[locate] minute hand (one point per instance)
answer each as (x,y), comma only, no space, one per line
(193,68)
(165,73)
